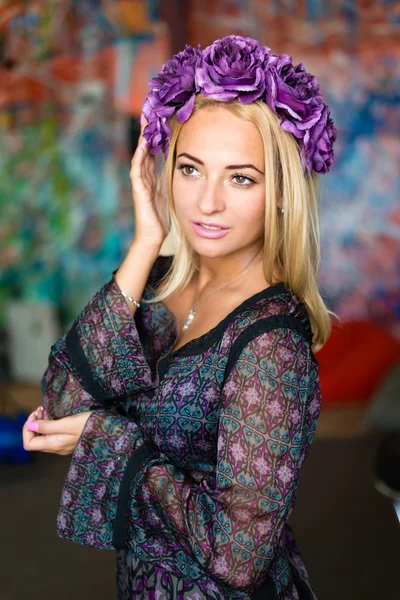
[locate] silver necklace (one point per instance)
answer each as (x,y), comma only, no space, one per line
(193,310)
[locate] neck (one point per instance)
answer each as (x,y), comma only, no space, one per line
(217,271)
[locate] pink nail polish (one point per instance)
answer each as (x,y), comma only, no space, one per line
(34,426)
(142,120)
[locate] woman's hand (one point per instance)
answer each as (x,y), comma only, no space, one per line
(149,196)
(59,436)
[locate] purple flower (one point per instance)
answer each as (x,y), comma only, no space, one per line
(318,143)
(233,67)
(157,133)
(293,94)
(173,91)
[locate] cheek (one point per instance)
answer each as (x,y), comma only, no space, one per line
(252,212)
(179,196)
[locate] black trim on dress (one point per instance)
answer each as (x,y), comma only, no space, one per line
(263,326)
(81,366)
(120,524)
(266,591)
(200,344)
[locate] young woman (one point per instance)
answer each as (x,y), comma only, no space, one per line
(187,390)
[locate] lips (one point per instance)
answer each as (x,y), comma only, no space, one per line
(210,224)
(209,233)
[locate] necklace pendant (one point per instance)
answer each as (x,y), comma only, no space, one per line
(189,319)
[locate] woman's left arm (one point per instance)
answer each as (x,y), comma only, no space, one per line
(126,494)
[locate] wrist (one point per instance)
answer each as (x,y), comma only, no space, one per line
(149,250)
(133,274)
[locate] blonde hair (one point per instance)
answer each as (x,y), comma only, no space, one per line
(291,240)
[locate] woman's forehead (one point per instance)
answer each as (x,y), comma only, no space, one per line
(212,132)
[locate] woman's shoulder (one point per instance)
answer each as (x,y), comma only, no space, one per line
(273,307)
(283,316)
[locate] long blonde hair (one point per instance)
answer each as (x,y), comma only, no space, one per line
(292,239)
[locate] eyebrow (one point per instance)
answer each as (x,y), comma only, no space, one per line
(249,166)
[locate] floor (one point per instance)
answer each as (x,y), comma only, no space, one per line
(348,532)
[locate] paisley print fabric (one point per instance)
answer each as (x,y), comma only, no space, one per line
(62,389)
(91,489)
(189,464)
(139,580)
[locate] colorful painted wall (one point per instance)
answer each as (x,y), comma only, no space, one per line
(72,75)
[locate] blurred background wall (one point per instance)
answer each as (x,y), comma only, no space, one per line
(72,74)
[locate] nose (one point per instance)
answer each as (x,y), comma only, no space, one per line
(212,198)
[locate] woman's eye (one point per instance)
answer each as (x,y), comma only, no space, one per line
(190,170)
(245,181)
(184,171)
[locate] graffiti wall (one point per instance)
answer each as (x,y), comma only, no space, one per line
(72,75)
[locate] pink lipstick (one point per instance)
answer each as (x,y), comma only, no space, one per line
(207,232)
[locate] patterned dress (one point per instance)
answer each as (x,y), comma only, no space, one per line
(189,464)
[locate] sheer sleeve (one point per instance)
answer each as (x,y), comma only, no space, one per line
(63,392)
(225,526)
(107,355)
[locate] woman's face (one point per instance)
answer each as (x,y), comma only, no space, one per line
(219,179)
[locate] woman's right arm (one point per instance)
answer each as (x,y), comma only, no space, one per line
(151,223)
(100,360)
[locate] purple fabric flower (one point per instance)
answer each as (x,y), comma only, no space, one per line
(173,91)
(233,67)
(318,143)
(157,133)
(293,94)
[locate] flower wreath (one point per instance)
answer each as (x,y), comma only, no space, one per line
(239,67)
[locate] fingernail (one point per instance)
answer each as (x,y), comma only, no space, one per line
(142,119)
(33,426)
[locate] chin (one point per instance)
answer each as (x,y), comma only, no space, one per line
(212,248)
